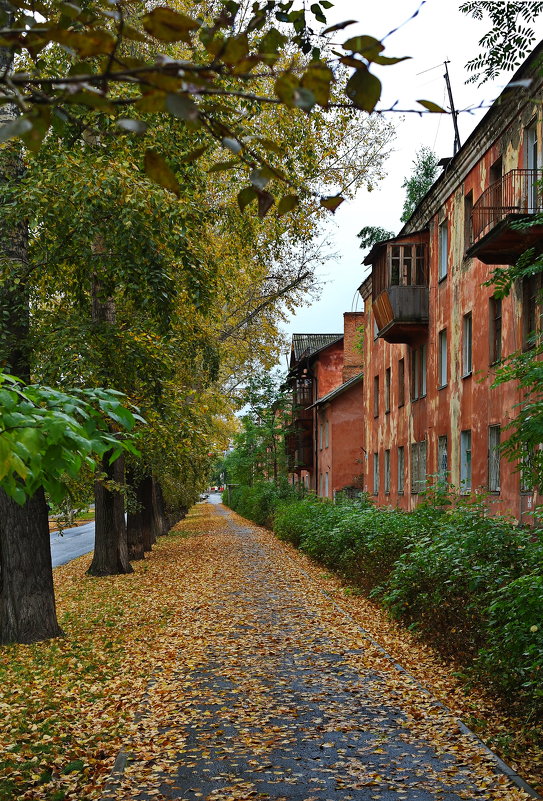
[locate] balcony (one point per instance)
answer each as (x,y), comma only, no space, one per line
(299,446)
(516,196)
(401,314)
(400,288)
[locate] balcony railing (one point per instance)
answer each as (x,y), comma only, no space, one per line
(516,193)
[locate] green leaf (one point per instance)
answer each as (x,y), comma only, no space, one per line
(363,89)
(236,49)
(168,25)
(134,126)
(231,144)
(194,155)
(260,178)
(287,203)
(265,202)
(246,196)
(365,45)
(159,172)
(339,26)
(18,127)
(304,99)
(285,88)
(220,166)
(332,202)
(183,107)
(431,106)
(318,78)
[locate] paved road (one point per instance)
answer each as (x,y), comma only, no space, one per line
(73,543)
(80,540)
(274,695)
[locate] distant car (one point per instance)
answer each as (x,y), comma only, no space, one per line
(204,496)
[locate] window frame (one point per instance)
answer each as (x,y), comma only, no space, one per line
(387,472)
(443,372)
(467,345)
(376,396)
(466,464)
(376,472)
(495,313)
(401,469)
(443,474)
(388,379)
(443,250)
(401,382)
(494,463)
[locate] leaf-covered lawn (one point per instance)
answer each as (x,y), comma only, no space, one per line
(68,706)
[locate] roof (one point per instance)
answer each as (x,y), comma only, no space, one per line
(305,345)
(372,255)
(338,390)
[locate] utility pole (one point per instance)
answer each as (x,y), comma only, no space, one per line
(453,110)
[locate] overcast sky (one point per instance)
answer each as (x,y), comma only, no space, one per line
(439,32)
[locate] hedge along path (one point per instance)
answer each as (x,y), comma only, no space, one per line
(271,692)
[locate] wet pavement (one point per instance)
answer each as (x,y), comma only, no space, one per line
(282,699)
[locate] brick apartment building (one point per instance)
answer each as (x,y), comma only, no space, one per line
(434,332)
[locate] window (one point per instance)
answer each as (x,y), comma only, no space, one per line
(442,353)
(401,469)
(320,435)
(326,440)
(376,474)
(443,245)
(495,329)
(465,461)
(326,485)
(468,227)
(376,396)
(408,265)
(387,389)
(442,459)
(387,472)
(418,372)
(530,291)
(401,382)
(418,466)
(494,458)
(467,345)
(525,473)
(532,164)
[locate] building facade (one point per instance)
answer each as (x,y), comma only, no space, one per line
(417,398)
(436,332)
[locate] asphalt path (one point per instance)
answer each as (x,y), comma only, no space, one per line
(78,541)
(74,542)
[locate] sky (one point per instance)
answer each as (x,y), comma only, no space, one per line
(439,32)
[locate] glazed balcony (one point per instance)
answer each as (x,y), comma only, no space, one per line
(514,197)
(302,398)
(400,289)
(299,446)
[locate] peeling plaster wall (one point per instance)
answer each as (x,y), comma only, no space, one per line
(343,459)
(466,402)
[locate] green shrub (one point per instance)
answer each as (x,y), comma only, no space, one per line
(513,658)
(258,503)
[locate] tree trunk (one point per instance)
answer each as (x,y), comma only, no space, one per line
(148,512)
(110,537)
(162,524)
(134,523)
(27,598)
(110,544)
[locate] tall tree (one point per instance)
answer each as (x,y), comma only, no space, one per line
(419,182)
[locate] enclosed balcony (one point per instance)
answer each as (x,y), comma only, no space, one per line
(515,197)
(302,398)
(299,446)
(400,288)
